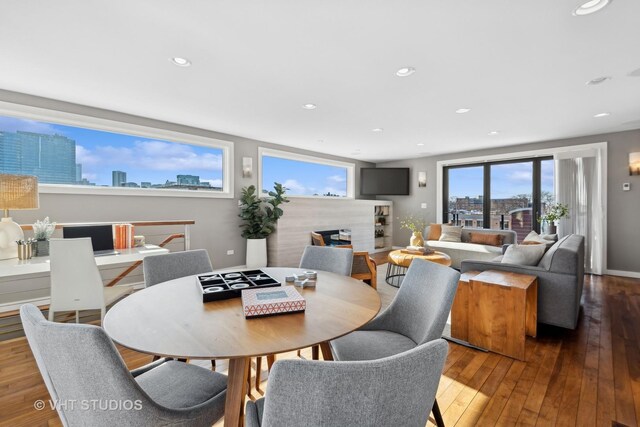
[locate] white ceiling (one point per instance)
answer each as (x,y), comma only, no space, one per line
(520,65)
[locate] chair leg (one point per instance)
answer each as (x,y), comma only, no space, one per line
(258,373)
(271,359)
(213,364)
(436,414)
(315,352)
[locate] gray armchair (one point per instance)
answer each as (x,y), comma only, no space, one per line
(161,268)
(560,275)
(83,371)
(394,391)
(417,315)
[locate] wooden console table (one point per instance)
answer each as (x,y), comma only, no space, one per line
(494,310)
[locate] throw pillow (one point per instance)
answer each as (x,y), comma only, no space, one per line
(523,254)
(486,239)
(435,230)
(531,243)
(534,237)
(451,233)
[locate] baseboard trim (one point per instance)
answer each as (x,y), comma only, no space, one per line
(634,274)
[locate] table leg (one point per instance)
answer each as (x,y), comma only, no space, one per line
(326,351)
(236,390)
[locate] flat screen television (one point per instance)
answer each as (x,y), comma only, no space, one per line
(384,181)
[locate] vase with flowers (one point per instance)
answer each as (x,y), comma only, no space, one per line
(417,225)
(553,213)
(42,231)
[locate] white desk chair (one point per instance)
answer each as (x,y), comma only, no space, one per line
(76,283)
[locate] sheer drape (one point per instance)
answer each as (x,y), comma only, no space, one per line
(579,185)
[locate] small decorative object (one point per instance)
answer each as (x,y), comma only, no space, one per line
(247,167)
(313,275)
(266,302)
(42,232)
(422,179)
(417,225)
(138,241)
(290,279)
(260,216)
(25,249)
(634,163)
(553,213)
(16,192)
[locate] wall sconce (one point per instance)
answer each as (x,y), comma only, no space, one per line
(247,167)
(634,163)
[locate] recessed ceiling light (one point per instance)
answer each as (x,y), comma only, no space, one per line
(598,80)
(309,106)
(181,62)
(420,144)
(493,132)
(463,110)
(377,130)
(405,71)
(601,115)
(592,6)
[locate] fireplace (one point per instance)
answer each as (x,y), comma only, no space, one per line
(336,237)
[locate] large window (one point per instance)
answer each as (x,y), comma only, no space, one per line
(71,158)
(498,195)
(306,176)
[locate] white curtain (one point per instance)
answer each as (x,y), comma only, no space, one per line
(579,185)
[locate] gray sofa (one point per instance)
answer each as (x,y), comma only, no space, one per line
(560,275)
(459,251)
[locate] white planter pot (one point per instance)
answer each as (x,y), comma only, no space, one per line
(256,253)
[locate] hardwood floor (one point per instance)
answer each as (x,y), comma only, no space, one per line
(590,376)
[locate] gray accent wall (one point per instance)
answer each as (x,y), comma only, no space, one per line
(623,229)
(217,221)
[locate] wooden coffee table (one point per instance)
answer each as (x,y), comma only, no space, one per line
(494,310)
(399,262)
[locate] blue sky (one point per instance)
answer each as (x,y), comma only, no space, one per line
(507,180)
(303,178)
(143,159)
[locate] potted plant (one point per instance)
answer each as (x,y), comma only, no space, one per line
(553,213)
(42,231)
(417,225)
(260,216)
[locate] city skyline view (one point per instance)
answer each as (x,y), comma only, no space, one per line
(304,178)
(144,160)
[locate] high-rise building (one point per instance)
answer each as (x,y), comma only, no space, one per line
(118,178)
(188,180)
(78,173)
(52,158)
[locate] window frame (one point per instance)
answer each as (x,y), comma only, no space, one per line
(263,151)
(486,165)
(114,126)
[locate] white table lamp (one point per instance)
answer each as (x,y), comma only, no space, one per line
(16,192)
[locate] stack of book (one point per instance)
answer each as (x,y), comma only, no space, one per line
(123,236)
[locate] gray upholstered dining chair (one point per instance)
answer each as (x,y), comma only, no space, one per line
(327,258)
(161,268)
(395,391)
(84,373)
(324,258)
(417,315)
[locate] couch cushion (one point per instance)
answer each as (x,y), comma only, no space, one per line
(435,230)
(462,246)
(510,236)
(523,254)
(486,239)
(451,233)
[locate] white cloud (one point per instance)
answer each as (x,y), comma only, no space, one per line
(526,176)
(12,124)
(336,178)
(90,176)
(150,155)
(294,187)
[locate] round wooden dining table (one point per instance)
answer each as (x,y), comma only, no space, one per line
(170,319)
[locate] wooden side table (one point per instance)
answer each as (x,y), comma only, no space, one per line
(495,310)
(399,262)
